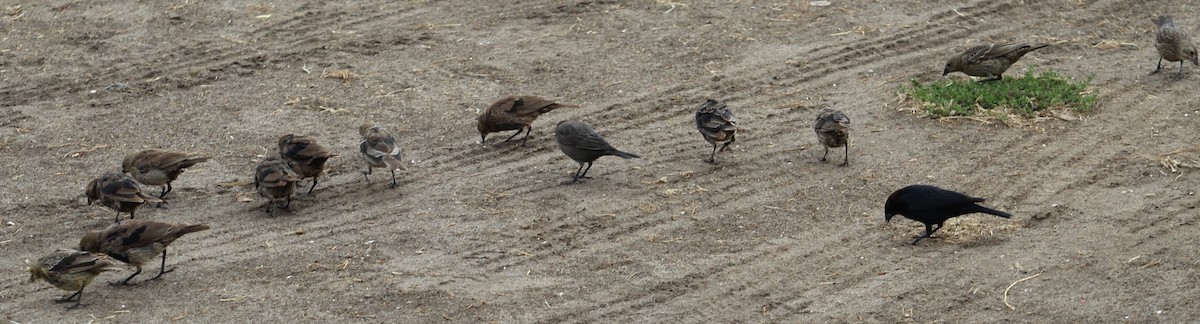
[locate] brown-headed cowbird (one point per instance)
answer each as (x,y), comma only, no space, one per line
(118,191)
(932,206)
(136,242)
(379,150)
(581,143)
(718,125)
(304,155)
(515,113)
(1173,44)
(71,270)
(988,60)
(833,130)
(274,179)
(156,167)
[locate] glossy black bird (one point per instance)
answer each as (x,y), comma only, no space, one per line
(932,206)
(718,125)
(581,143)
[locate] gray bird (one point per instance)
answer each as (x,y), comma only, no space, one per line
(515,113)
(833,130)
(274,179)
(988,60)
(581,143)
(718,125)
(1173,44)
(120,192)
(379,150)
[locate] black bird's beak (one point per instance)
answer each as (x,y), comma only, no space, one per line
(887,218)
(945,72)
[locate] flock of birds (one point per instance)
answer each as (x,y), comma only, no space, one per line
(135,242)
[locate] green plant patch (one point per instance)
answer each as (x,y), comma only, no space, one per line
(1026,96)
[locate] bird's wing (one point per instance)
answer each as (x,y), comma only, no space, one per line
(128,235)
(979,53)
(533,105)
(378,147)
(123,190)
(586,139)
(80,261)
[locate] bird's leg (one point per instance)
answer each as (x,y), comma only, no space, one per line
(826,154)
(126,281)
(574,177)
(165,191)
(117,219)
(584,175)
(528,129)
(162,268)
(846,157)
(712,158)
(394,179)
(270,203)
(732,138)
(78,296)
(289,202)
(314,185)
(365,172)
(522,129)
(928,231)
(1159,68)
(1180,69)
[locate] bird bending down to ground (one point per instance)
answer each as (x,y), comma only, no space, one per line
(515,113)
(156,167)
(304,156)
(932,206)
(136,242)
(118,191)
(988,60)
(582,144)
(718,125)
(379,150)
(274,179)
(833,130)
(71,270)
(1173,44)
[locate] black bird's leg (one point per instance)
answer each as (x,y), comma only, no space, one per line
(394,179)
(574,177)
(1180,68)
(826,154)
(126,281)
(162,267)
(585,171)
(712,158)
(365,173)
(929,229)
(846,158)
(117,219)
(1159,68)
(165,191)
(522,129)
(528,129)
(289,202)
(314,185)
(78,296)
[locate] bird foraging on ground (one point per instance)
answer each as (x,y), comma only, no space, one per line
(581,143)
(932,206)
(136,242)
(118,191)
(304,156)
(1173,44)
(274,179)
(833,130)
(988,60)
(717,124)
(379,150)
(515,113)
(156,167)
(71,270)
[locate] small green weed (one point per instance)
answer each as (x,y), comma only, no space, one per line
(1025,96)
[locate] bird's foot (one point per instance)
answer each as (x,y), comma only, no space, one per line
(711,161)
(68,298)
(844,163)
(571,181)
(121,283)
(159,276)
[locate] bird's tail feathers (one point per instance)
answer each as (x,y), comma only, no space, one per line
(985,210)
(193,228)
(626,155)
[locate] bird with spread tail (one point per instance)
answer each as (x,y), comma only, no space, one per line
(515,113)
(72,270)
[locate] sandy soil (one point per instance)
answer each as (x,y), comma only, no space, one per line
(481,233)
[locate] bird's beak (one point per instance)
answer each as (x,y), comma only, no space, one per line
(482,137)
(945,72)
(887,218)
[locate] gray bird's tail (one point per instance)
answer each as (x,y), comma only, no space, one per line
(626,155)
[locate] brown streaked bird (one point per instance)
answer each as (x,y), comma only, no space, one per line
(833,130)
(155,167)
(581,143)
(137,242)
(1173,44)
(120,192)
(72,270)
(304,155)
(718,125)
(515,113)
(988,60)
(379,150)
(274,179)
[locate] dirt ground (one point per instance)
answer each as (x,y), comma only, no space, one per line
(1105,205)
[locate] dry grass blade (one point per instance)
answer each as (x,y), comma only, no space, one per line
(1010,306)
(344,75)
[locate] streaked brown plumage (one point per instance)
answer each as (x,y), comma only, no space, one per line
(71,270)
(118,191)
(136,242)
(304,155)
(157,167)
(718,125)
(581,143)
(988,60)
(515,113)
(379,150)
(1173,44)
(274,179)
(833,130)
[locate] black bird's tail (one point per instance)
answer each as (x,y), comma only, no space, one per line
(985,210)
(626,155)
